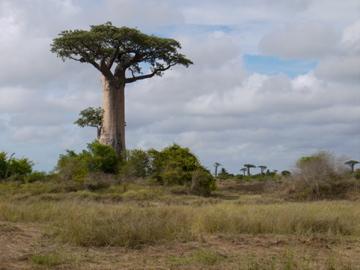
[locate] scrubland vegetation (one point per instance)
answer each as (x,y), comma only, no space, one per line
(164,210)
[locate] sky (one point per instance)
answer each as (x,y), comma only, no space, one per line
(272,80)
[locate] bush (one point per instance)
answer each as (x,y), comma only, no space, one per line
(13,168)
(357,174)
(202,182)
(319,176)
(72,166)
(3,165)
(35,176)
(173,165)
(98,158)
(137,164)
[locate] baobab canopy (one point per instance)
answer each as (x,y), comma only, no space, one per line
(122,55)
(106,45)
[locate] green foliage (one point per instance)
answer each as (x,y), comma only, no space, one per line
(20,167)
(72,166)
(131,50)
(102,158)
(202,182)
(3,165)
(173,165)
(91,117)
(14,168)
(137,164)
(36,176)
(98,158)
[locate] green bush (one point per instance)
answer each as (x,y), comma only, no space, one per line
(173,165)
(36,176)
(98,158)
(101,158)
(72,166)
(173,174)
(14,168)
(137,164)
(3,165)
(202,182)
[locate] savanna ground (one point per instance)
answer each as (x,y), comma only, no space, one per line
(138,226)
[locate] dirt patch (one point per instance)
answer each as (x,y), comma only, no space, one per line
(17,242)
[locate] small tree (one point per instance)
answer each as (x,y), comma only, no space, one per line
(262,168)
(91,117)
(216,166)
(243,170)
(351,164)
(248,167)
(122,55)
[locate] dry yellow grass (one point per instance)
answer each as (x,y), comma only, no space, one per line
(104,229)
(97,224)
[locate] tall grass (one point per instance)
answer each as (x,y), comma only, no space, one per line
(96,224)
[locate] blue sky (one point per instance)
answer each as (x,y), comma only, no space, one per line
(272,80)
(272,65)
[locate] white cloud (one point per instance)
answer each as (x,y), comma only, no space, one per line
(351,37)
(301,40)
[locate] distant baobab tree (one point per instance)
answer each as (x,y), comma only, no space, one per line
(122,55)
(243,170)
(91,117)
(216,166)
(262,168)
(351,164)
(248,167)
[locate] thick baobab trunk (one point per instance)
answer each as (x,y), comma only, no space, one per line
(113,126)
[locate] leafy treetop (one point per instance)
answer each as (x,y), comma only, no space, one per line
(120,51)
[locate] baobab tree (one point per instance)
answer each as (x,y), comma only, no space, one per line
(248,167)
(216,166)
(243,170)
(91,117)
(262,168)
(122,55)
(351,164)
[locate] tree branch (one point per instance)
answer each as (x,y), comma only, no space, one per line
(113,57)
(147,76)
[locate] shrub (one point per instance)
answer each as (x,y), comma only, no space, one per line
(357,174)
(173,165)
(102,158)
(137,164)
(72,166)
(173,174)
(14,168)
(20,167)
(202,182)
(35,176)
(3,165)
(98,158)
(319,176)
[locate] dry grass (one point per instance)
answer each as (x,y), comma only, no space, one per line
(96,224)
(106,228)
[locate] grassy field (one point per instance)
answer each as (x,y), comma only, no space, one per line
(137,226)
